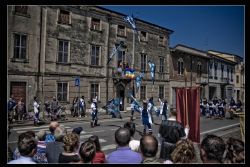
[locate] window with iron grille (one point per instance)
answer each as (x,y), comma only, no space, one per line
(121,31)
(161,40)
(222,70)
(94,90)
(161,92)
(95,54)
(161,67)
(143,92)
(62,91)
(199,69)
(143,36)
(180,67)
(143,62)
(20,46)
(215,70)
(231,74)
(210,69)
(121,57)
(63,51)
(21,9)
(237,78)
(95,24)
(64,17)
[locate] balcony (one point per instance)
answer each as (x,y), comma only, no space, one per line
(225,80)
(202,80)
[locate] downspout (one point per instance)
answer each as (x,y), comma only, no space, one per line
(107,65)
(39,55)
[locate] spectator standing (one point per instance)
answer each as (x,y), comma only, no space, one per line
(82,107)
(20,109)
(123,153)
(54,108)
(52,127)
(149,148)
(27,145)
(40,156)
(53,149)
(212,149)
(170,132)
(133,144)
(99,156)
(16,153)
(87,152)
(184,152)
(71,144)
(235,151)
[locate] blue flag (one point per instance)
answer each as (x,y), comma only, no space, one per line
(152,70)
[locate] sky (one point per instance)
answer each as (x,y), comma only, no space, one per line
(218,28)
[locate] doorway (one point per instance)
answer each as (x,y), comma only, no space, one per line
(121,94)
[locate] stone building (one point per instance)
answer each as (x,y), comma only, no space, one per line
(221,76)
(239,74)
(195,62)
(50,47)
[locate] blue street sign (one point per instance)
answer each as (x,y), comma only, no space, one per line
(77,81)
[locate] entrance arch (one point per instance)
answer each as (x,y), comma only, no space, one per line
(120,93)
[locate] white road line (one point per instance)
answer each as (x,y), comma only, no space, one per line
(44,126)
(109,147)
(37,130)
(214,130)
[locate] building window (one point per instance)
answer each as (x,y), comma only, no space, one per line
(121,57)
(121,31)
(21,9)
(63,51)
(222,70)
(161,40)
(62,91)
(210,70)
(215,70)
(95,54)
(161,91)
(228,73)
(238,94)
(94,90)
(231,74)
(143,92)
(64,17)
(199,69)
(20,46)
(95,24)
(161,67)
(237,78)
(180,66)
(143,62)
(143,36)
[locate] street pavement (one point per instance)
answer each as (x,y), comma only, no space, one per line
(106,131)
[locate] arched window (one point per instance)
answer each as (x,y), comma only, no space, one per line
(180,66)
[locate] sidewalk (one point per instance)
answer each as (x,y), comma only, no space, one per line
(101,115)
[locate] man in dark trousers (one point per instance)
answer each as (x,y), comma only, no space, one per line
(170,132)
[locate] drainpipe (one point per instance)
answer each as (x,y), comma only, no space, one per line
(107,66)
(39,55)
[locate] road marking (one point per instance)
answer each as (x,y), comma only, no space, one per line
(44,126)
(214,130)
(37,130)
(109,147)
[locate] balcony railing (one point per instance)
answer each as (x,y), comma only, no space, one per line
(225,80)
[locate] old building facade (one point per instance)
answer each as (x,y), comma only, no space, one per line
(195,62)
(221,76)
(49,47)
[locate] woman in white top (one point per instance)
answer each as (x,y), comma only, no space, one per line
(36,110)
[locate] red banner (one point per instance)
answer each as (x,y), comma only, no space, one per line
(188,110)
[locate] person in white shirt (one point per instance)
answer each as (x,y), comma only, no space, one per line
(36,106)
(94,113)
(27,145)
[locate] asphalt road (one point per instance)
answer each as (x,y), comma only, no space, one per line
(107,129)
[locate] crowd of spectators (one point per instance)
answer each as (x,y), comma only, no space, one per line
(60,146)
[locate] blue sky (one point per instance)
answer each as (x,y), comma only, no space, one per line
(219,28)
